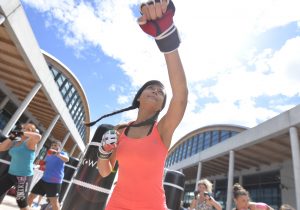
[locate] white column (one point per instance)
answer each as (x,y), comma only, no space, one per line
(296,163)
(4,102)
(198,175)
(46,134)
(21,109)
(241,180)
(73,150)
(230,180)
(2,19)
(65,140)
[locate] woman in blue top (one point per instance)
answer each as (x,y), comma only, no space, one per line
(20,172)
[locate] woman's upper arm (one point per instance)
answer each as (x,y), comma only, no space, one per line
(178,102)
(5,145)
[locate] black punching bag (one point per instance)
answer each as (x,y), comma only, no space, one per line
(174,188)
(88,190)
(69,171)
(4,157)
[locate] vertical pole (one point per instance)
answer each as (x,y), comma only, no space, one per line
(230,180)
(65,139)
(73,149)
(198,174)
(46,134)
(296,163)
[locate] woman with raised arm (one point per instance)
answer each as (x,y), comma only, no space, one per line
(21,146)
(143,144)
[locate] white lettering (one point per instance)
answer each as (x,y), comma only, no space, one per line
(89,162)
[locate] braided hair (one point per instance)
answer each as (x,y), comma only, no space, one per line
(135,104)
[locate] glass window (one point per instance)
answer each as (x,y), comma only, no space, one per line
(176,155)
(207,137)
(195,144)
(200,142)
(180,152)
(69,94)
(65,88)
(54,71)
(72,102)
(215,137)
(189,147)
(173,158)
(60,80)
(264,187)
(233,133)
(224,135)
(184,150)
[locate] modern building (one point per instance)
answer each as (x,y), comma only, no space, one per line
(265,159)
(36,87)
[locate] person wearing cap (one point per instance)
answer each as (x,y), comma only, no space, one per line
(141,146)
(21,146)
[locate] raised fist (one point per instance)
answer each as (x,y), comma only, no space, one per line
(157,21)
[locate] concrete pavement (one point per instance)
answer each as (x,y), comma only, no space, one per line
(9,203)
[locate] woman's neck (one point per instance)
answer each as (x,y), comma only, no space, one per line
(142,116)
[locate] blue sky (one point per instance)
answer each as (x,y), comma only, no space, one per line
(242,58)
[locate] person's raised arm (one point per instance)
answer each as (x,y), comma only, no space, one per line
(33,140)
(6,141)
(175,112)
(157,21)
(5,145)
(63,156)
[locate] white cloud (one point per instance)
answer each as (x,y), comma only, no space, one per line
(215,35)
(123,99)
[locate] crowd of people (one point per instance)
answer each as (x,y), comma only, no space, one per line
(204,200)
(21,146)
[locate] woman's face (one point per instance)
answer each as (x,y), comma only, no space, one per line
(153,94)
(55,146)
(242,202)
(28,127)
(202,188)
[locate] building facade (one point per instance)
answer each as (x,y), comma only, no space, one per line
(264,159)
(36,87)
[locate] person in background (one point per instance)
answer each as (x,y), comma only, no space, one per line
(50,183)
(40,165)
(21,146)
(286,207)
(204,199)
(142,145)
(242,200)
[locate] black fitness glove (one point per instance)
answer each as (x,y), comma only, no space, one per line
(15,134)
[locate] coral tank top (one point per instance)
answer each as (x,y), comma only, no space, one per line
(140,176)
